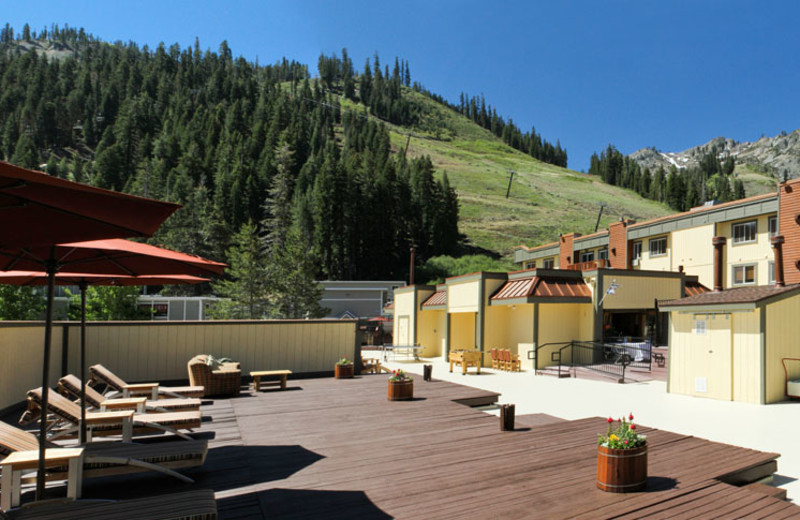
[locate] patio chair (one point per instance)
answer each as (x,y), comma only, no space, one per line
(225,381)
(70,386)
(504,359)
(514,364)
(114,458)
(495,358)
(188,505)
(127,423)
(100,374)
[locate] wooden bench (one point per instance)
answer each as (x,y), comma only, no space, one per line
(258,384)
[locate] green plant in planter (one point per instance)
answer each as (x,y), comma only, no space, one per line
(344,361)
(399,376)
(623,437)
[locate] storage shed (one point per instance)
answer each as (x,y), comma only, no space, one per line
(735,345)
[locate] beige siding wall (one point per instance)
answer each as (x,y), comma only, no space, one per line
(431,331)
(782,342)
(692,249)
(497,328)
(21,349)
(747,368)
(758,252)
(153,352)
(404,317)
(463,297)
(639,292)
(558,322)
(655,263)
(462,331)
(520,326)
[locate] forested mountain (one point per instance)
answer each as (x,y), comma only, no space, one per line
(234,142)
(680,188)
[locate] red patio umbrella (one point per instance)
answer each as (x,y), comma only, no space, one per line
(83,280)
(38,209)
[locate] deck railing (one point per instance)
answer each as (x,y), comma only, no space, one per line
(159,351)
(607,358)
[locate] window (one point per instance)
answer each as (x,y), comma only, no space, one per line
(744,232)
(549,263)
(744,274)
(771,270)
(602,254)
(637,249)
(587,256)
(700,327)
(529,265)
(658,246)
(772,226)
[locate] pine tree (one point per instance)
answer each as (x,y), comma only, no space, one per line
(246,284)
(294,293)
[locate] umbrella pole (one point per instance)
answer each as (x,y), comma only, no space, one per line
(82,286)
(51,268)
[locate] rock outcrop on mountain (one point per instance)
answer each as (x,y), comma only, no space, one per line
(777,156)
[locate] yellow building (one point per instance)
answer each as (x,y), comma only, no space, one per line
(735,345)
(686,242)
(523,310)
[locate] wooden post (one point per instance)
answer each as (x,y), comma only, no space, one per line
(427,371)
(506,417)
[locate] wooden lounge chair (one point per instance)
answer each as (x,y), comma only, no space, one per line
(125,423)
(225,381)
(189,505)
(512,362)
(495,359)
(70,386)
(100,374)
(114,458)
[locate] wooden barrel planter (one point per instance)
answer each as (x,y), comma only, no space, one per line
(343,371)
(621,471)
(401,390)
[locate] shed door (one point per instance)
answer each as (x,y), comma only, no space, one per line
(402,331)
(718,353)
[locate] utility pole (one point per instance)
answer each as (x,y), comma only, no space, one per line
(508,191)
(413,251)
(599,214)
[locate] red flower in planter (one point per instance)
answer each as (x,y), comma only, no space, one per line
(609,420)
(630,417)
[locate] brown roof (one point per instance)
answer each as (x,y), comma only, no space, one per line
(692,288)
(543,287)
(437,298)
(729,296)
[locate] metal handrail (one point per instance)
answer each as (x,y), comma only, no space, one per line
(535,352)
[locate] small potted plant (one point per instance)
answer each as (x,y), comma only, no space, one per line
(401,386)
(343,369)
(621,457)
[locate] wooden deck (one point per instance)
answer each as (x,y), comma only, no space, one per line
(329,448)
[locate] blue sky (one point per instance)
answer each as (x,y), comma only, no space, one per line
(632,73)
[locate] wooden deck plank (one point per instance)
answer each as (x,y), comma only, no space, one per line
(338,448)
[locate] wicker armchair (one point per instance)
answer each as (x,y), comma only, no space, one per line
(225,381)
